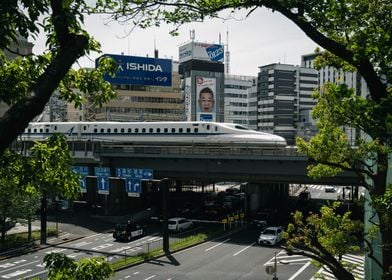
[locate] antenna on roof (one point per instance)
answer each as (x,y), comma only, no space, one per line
(227,53)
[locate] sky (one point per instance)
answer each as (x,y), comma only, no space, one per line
(262,38)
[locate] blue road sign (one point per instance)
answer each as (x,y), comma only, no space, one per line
(82,170)
(102,174)
(133,177)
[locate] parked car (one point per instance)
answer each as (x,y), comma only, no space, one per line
(271,236)
(126,232)
(179,224)
(330,189)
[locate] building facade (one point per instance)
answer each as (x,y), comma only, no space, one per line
(202,72)
(140,102)
(331,75)
(284,99)
(237,99)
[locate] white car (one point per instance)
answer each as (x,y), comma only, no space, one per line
(330,189)
(271,236)
(179,224)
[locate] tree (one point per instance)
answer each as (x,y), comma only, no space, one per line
(355,34)
(27,82)
(61,267)
(325,238)
(11,167)
(50,173)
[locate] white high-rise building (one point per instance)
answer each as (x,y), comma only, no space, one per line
(351,79)
(236,101)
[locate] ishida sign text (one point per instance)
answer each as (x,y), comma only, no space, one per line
(135,70)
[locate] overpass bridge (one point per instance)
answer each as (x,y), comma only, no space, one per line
(207,163)
(268,172)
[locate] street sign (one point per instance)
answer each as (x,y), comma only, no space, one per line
(82,170)
(102,174)
(133,177)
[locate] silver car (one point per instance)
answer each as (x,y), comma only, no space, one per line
(271,236)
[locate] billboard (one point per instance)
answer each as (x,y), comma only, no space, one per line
(136,70)
(205,98)
(201,51)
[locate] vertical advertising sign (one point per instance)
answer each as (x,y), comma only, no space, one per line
(188,98)
(205,99)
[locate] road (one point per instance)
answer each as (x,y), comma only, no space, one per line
(232,257)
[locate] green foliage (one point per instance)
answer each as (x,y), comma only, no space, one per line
(51,168)
(324,235)
(61,267)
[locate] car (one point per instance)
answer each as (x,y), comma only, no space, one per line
(179,224)
(262,218)
(271,236)
(330,189)
(126,232)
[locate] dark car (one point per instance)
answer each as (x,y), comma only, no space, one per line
(126,232)
(262,218)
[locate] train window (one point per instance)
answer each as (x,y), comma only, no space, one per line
(108,130)
(102,130)
(29,130)
(55,127)
(208,127)
(188,130)
(216,128)
(158,130)
(122,130)
(241,127)
(95,130)
(151,130)
(180,130)
(47,130)
(173,130)
(84,127)
(165,130)
(196,130)
(136,130)
(129,130)
(41,130)
(35,130)
(143,130)
(115,130)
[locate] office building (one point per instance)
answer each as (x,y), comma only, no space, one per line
(237,99)
(284,99)
(351,79)
(148,89)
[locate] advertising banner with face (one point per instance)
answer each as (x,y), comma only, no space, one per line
(206,97)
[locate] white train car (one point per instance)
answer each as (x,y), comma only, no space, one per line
(154,132)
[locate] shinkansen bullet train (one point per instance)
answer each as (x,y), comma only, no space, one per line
(153,132)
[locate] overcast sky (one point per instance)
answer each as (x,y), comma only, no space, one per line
(262,38)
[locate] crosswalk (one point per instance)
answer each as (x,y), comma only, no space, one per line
(338,189)
(356,261)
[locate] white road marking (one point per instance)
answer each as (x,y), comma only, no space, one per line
(206,250)
(152,276)
(16,273)
(240,251)
(299,271)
